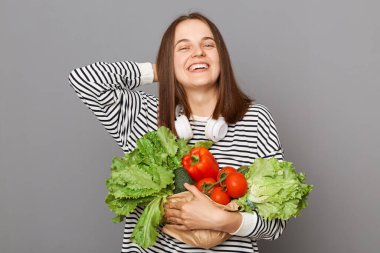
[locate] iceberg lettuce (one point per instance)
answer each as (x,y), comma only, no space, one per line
(275,189)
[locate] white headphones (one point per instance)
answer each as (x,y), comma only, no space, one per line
(215,129)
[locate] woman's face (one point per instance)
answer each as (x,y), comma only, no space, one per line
(196,58)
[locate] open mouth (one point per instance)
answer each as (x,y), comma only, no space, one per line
(198,67)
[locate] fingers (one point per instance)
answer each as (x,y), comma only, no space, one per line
(174,221)
(173,215)
(175,205)
(193,189)
(180,227)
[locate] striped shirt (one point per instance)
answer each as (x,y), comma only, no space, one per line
(108,89)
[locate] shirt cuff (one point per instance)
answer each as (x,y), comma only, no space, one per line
(147,74)
(248,223)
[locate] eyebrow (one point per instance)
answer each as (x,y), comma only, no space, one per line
(187,40)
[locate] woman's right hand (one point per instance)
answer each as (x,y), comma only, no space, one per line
(155,79)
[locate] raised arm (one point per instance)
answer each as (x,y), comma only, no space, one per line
(107,89)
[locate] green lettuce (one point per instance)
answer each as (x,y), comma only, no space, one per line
(275,189)
(145,234)
(145,177)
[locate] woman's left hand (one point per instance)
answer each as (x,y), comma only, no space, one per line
(200,213)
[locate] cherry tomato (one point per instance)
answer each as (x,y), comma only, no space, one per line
(220,196)
(201,184)
(236,185)
(225,170)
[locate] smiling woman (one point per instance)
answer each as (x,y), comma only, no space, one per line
(196,85)
(211,91)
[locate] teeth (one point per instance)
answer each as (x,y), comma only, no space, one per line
(198,66)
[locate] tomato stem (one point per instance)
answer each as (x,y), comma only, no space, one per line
(223,177)
(243,169)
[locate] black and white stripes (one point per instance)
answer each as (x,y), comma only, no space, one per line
(127,114)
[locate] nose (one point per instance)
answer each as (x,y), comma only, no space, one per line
(198,51)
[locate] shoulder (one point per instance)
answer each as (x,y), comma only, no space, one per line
(258,111)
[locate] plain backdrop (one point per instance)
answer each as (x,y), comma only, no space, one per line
(315,64)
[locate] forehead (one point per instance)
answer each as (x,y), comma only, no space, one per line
(192,29)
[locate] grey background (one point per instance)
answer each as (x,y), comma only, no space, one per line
(315,64)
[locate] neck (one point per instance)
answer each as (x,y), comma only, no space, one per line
(202,102)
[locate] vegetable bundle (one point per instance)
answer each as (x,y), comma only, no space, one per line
(145,177)
(153,170)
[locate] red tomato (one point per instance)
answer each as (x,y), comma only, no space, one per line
(220,196)
(201,184)
(236,185)
(226,170)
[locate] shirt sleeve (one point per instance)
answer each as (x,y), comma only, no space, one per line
(268,145)
(107,89)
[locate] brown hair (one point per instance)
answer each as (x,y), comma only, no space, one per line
(232,103)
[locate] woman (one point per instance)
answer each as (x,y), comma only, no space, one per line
(195,79)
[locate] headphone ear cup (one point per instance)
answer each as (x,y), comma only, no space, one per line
(216,129)
(183,128)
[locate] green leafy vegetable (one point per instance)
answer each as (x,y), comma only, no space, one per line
(275,189)
(205,144)
(145,231)
(144,177)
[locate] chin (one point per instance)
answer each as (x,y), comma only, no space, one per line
(201,81)
(201,85)
(197,82)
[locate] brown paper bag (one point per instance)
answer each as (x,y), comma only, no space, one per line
(201,238)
